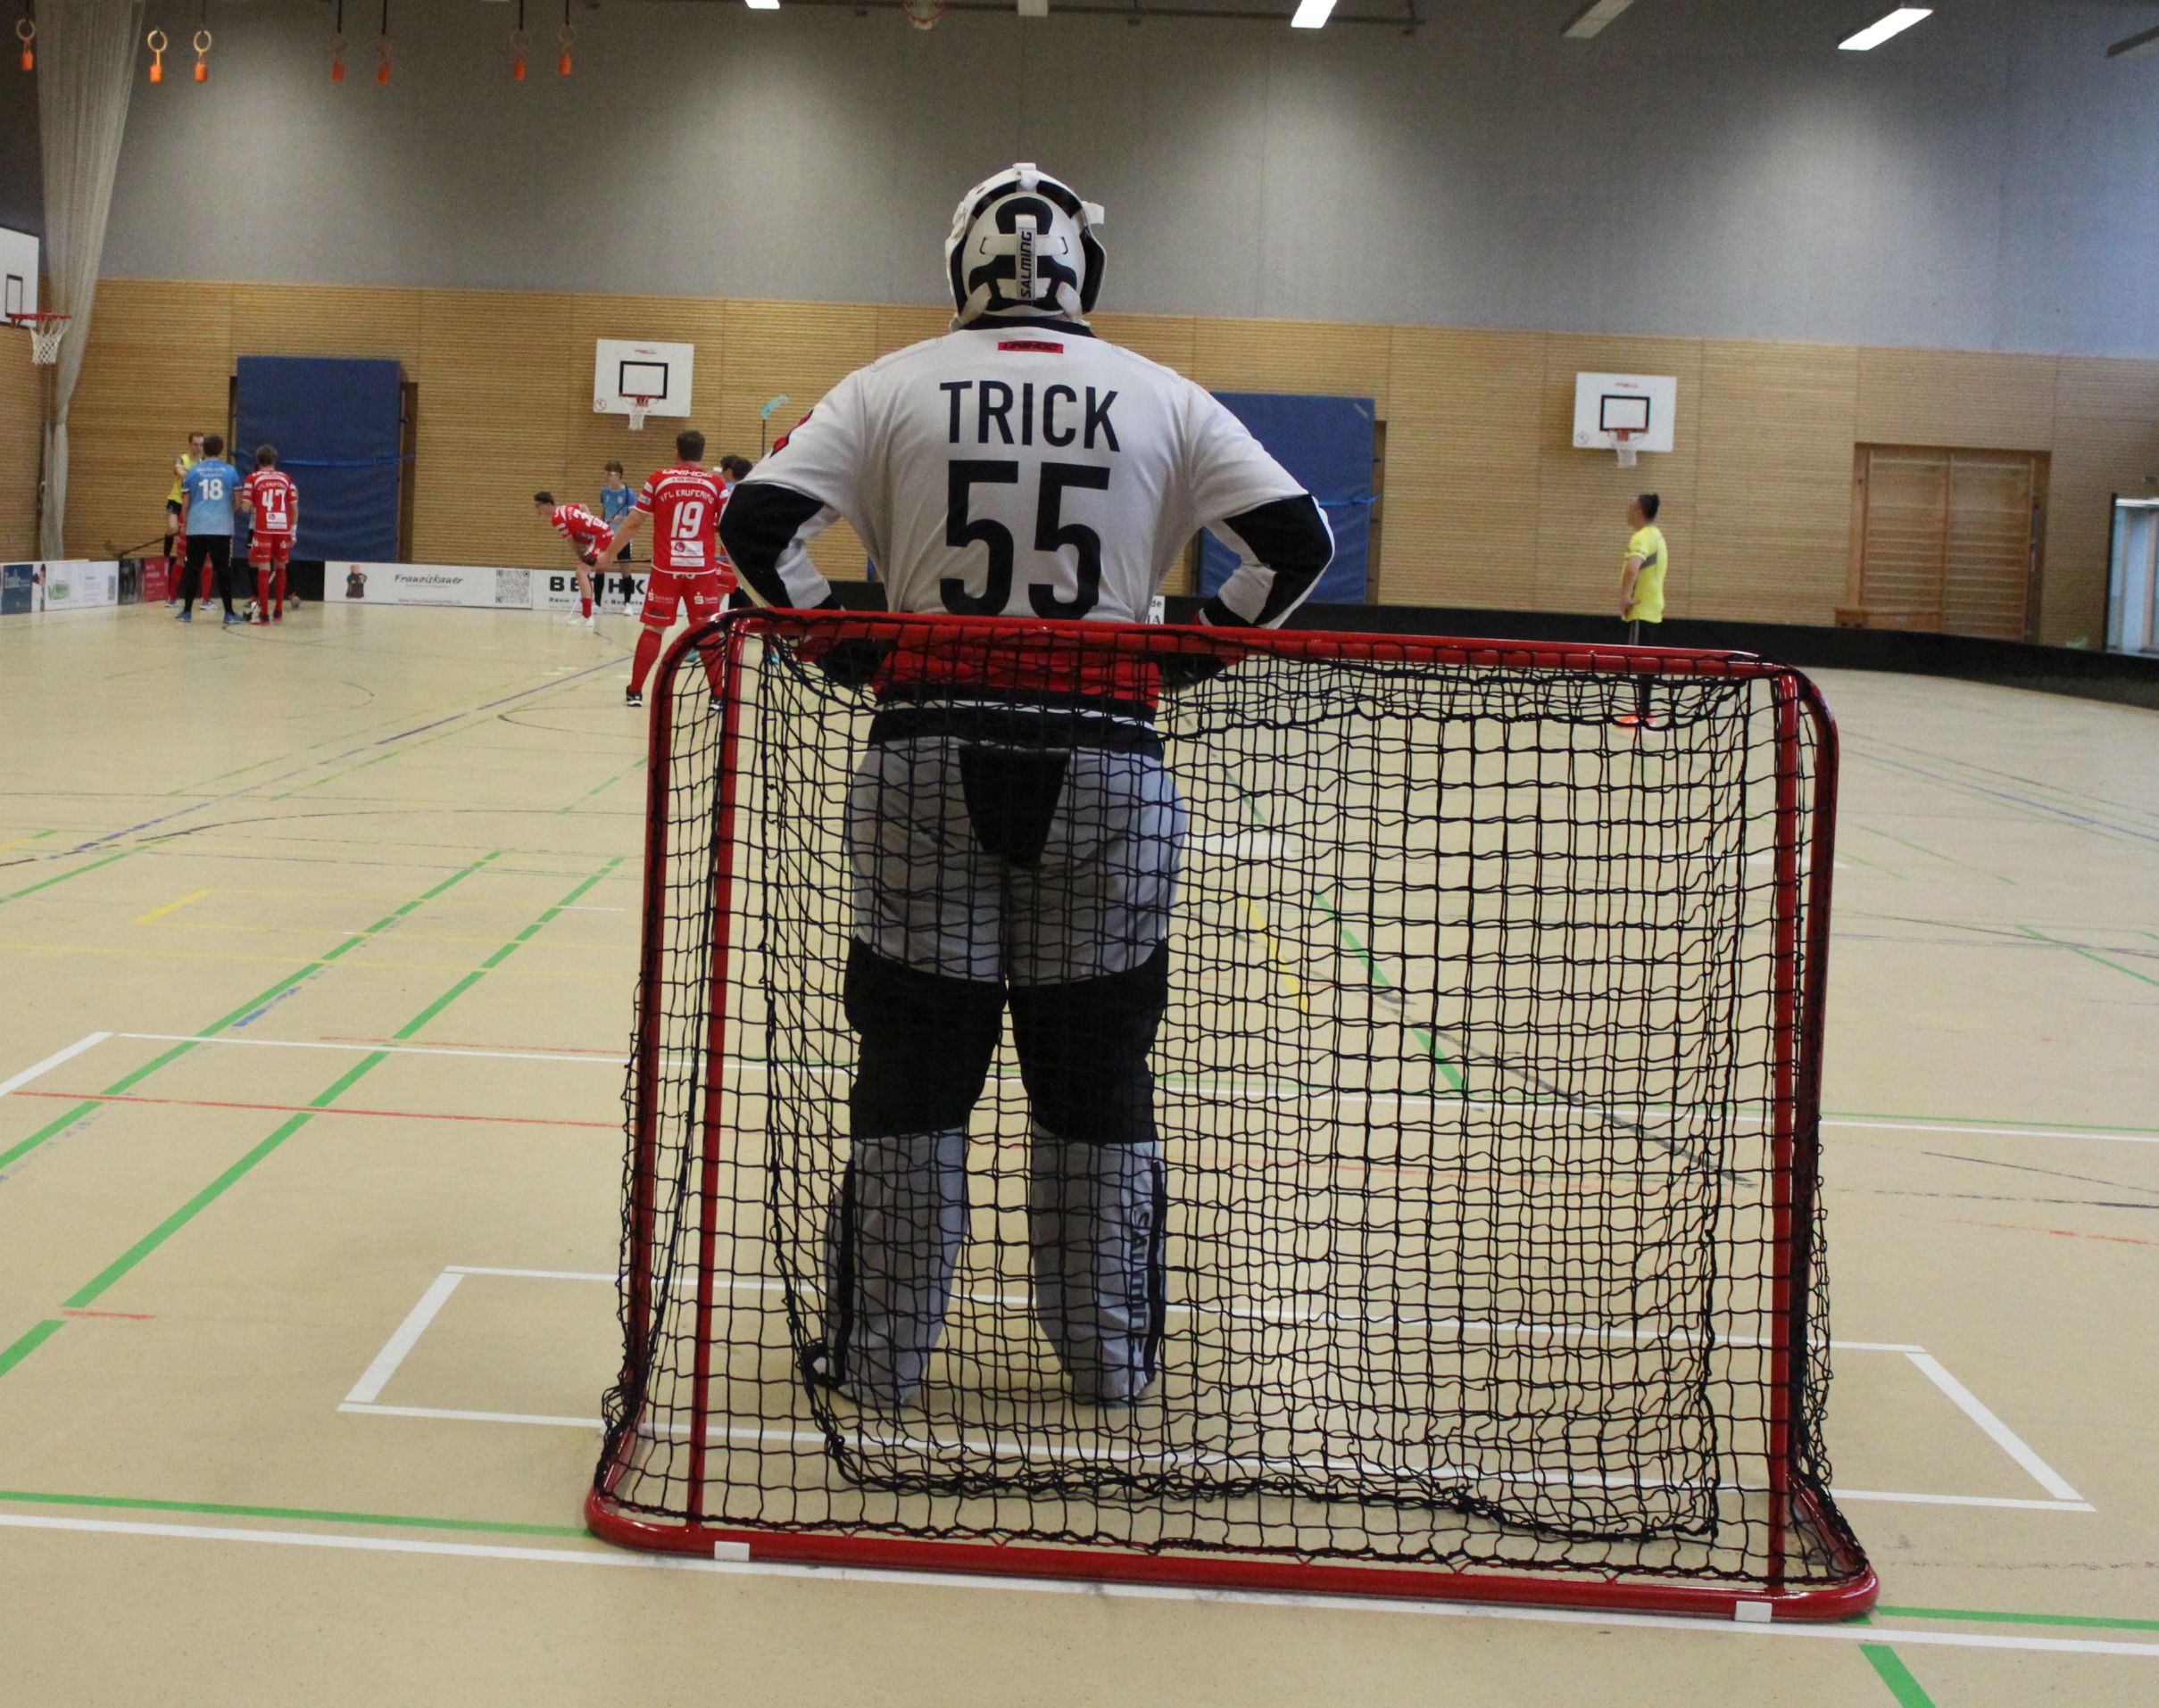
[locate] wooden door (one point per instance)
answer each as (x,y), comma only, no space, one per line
(1947,539)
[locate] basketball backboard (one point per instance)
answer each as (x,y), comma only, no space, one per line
(17,273)
(1643,406)
(626,369)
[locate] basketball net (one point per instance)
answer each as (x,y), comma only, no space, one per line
(923,13)
(47,331)
(1624,439)
(638,407)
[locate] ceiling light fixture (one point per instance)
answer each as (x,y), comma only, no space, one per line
(1594,18)
(1895,23)
(1312,13)
(2136,47)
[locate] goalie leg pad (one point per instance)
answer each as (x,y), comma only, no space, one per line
(924,1045)
(1095,1223)
(892,1246)
(1083,1052)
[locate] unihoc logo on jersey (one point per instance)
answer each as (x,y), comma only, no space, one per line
(1042,346)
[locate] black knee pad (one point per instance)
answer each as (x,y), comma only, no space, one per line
(1083,1052)
(926,1045)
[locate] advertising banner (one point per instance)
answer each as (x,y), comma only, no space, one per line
(484,588)
(77,585)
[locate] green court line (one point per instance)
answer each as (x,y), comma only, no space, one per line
(1931,853)
(2092,955)
(1893,1672)
(609,784)
(69,1117)
(1973,1615)
(47,883)
(239,770)
(128,1260)
(29,1343)
(228,1509)
(1452,1075)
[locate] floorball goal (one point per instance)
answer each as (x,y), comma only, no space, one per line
(1443,1216)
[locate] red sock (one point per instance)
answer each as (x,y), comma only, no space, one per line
(711,657)
(262,580)
(641,663)
(588,604)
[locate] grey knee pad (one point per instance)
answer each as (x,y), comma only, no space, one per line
(1095,1216)
(892,1245)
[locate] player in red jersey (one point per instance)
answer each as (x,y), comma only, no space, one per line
(684,501)
(589,537)
(269,496)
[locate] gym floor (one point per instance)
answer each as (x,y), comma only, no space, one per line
(318,946)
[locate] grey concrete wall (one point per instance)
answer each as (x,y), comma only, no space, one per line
(1706,167)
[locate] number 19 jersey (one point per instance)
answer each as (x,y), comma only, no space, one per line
(684,502)
(1019,470)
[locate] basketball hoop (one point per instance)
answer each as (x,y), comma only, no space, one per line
(638,407)
(46,331)
(1623,439)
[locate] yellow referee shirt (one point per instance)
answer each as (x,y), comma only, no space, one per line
(1648,546)
(180,466)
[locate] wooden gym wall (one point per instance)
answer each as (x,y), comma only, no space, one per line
(21,394)
(1487,501)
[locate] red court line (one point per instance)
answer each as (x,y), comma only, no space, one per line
(309,1109)
(124,1316)
(2021,1227)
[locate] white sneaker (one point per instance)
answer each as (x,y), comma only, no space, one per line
(572,618)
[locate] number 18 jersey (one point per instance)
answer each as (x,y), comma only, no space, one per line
(1020,471)
(684,502)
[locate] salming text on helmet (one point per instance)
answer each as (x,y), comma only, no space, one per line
(1023,243)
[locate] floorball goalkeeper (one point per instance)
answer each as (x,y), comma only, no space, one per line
(1017,466)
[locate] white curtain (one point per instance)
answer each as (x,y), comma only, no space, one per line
(86,64)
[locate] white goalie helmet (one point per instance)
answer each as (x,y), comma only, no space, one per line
(1022,243)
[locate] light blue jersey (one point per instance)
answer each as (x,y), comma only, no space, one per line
(210,485)
(615,502)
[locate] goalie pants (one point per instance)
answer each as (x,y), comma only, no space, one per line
(1043,877)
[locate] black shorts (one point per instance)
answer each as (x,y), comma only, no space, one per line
(172,509)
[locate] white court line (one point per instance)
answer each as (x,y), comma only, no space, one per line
(379,1050)
(2003,1436)
(738,1065)
(2001,1501)
(622,1559)
(1999,1132)
(376,1377)
(45,1066)
(813,1438)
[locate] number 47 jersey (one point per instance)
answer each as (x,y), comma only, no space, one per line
(1023,470)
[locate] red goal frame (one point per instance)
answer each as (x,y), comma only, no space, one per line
(1800,714)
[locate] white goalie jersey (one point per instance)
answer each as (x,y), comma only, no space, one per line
(1027,469)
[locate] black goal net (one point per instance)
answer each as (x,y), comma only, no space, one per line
(1293,1099)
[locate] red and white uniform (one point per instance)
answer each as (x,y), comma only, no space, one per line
(587,535)
(684,502)
(276,502)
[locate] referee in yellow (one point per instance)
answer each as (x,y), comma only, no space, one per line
(1642,586)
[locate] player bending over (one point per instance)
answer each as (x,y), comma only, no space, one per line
(589,537)
(1017,466)
(685,500)
(270,498)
